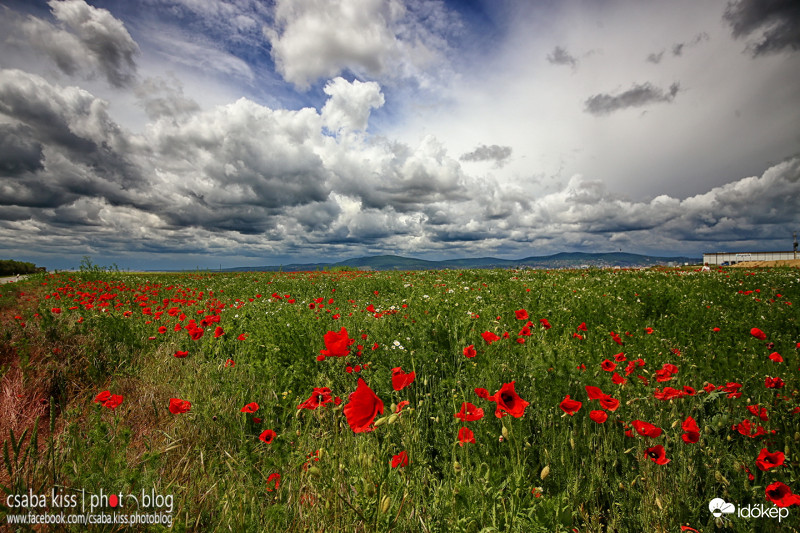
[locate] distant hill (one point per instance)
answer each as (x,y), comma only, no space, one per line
(560,260)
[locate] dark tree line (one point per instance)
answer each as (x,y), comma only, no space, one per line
(9,267)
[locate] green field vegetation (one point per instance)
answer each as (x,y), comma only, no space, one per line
(69,337)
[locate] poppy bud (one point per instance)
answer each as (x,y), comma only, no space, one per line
(797,435)
(545,472)
(381,421)
(392,418)
(386,502)
(505,432)
(720,478)
(572,443)
(675,424)
(457,467)
(314,471)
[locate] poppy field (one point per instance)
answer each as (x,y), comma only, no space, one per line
(465,400)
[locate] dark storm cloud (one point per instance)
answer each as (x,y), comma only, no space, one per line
(85,151)
(560,56)
(20,152)
(637,96)
(498,154)
(776,21)
(88,40)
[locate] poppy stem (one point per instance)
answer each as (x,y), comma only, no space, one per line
(350,505)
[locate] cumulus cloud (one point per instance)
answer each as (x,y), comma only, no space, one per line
(637,96)
(314,39)
(350,104)
(498,154)
(560,56)
(87,41)
(164,98)
(776,23)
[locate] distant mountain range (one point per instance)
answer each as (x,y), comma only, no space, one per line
(560,260)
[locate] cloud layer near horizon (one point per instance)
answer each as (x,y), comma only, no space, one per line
(258,184)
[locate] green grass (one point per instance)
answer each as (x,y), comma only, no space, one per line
(544,471)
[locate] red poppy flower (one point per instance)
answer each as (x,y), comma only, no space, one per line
(668,394)
(218,332)
(646,429)
(760,413)
(666,372)
(102,397)
(758,334)
(570,406)
(400,460)
(594,393)
(745,427)
(469,413)
(616,338)
(489,337)
(401,380)
(775,356)
(583,327)
(767,460)
(178,406)
(229,362)
(401,405)
(482,393)
(196,333)
(251,407)
(465,435)
(470,351)
(620,357)
(649,330)
(521,314)
(362,408)
(692,432)
(337,344)
(657,455)
(608,366)
(508,402)
(113,401)
(276,478)
(773,383)
(609,403)
(242,336)
(320,396)
(545,323)
(598,416)
(267,436)
(617,379)
(781,495)
(180,354)
(162,329)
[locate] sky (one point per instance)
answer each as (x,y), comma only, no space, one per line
(188,134)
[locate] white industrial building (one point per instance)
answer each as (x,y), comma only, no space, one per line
(731,258)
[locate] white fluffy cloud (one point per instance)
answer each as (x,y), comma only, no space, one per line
(349,105)
(378,39)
